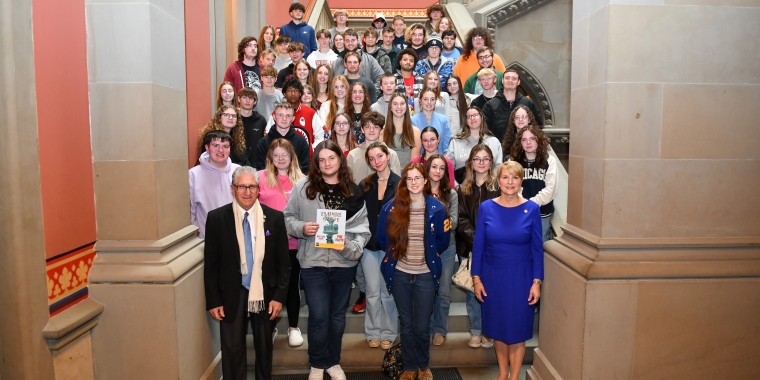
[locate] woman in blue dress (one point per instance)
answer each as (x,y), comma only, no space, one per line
(508,268)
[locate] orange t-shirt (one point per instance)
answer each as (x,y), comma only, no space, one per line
(464,68)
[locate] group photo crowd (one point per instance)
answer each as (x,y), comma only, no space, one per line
(427,145)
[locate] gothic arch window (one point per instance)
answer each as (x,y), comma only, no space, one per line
(531,87)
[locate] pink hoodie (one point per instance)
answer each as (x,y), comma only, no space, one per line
(209,190)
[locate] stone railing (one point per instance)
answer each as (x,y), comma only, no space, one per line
(493,14)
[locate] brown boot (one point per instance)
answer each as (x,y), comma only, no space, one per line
(408,375)
(424,374)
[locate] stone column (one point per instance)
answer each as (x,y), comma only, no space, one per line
(148,272)
(658,273)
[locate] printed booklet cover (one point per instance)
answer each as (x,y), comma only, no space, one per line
(332,229)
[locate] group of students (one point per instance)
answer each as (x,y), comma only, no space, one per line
(412,184)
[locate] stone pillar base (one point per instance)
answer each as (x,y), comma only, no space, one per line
(155,325)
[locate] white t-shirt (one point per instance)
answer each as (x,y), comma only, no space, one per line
(317,58)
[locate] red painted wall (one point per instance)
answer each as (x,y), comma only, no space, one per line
(277,12)
(198,71)
(60,66)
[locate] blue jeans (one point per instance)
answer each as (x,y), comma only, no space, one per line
(473,313)
(546,228)
(414,295)
(327,291)
(360,281)
(439,322)
(381,320)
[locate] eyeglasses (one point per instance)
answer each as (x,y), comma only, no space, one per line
(521,117)
(245,189)
(472,116)
(341,124)
(278,156)
(229,115)
(477,38)
(479,160)
(484,56)
(414,179)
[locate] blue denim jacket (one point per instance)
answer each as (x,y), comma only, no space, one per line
(437,236)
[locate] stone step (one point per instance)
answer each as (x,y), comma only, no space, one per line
(356,354)
(458,321)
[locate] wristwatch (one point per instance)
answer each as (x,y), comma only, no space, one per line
(535,281)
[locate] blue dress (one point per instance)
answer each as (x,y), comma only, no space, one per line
(507,255)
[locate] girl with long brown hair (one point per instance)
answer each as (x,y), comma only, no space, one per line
(438,167)
(302,72)
(381,323)
(531,150)
(430,142)
(227,119)
(479,185)
(458,104)
(327,273)
(338,98)
(474,132)
(321,80)
(225,95)
(342,134)
(266,38)
(361,105)
(275,184)
(399,133)
(413,231)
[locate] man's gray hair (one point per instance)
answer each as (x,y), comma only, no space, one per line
(245,170)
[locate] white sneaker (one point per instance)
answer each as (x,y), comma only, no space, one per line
(294,337)
(336,373)
(274,335)
(316,374)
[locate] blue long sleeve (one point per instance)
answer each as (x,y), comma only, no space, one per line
(536,243)
(480,241)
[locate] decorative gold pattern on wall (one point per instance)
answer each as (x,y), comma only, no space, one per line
(67,277)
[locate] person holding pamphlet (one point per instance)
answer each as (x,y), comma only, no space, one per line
(318,201)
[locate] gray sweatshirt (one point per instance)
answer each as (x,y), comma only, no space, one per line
(301,210)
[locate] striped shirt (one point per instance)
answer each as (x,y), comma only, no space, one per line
(414,260)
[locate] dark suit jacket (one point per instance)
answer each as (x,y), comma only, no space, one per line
(221,273)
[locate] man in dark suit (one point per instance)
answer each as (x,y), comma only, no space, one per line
(246,274)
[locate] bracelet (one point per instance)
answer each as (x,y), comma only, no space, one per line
(538,282)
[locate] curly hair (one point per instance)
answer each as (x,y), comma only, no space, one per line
(470,176)
(294,171)
(444,186)
(398,219)
(476,32)
(241,47)
(517,153)
(410,30)
(215,124)
(511,133)
(316,184)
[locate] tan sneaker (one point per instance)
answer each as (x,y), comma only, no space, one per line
(374,343)
(486,342)
(474,341)
(386,344)
(438,339)
(408,375)
(424,374)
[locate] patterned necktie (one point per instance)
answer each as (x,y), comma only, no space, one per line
(248,251)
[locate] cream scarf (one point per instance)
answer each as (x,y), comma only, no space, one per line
(256,287)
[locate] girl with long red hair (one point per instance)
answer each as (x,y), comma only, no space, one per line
(413,230)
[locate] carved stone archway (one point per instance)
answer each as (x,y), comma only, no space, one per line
(530,86)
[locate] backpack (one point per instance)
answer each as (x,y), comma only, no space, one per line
(392,366)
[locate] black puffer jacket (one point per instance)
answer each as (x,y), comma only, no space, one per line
(468,214)
(498,109)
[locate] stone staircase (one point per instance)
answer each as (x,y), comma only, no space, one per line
(357,356)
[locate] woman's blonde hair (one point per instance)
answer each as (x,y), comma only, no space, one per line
(294,171)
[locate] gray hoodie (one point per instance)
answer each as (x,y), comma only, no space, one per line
(301,210)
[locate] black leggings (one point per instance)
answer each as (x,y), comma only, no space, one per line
(293,305)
